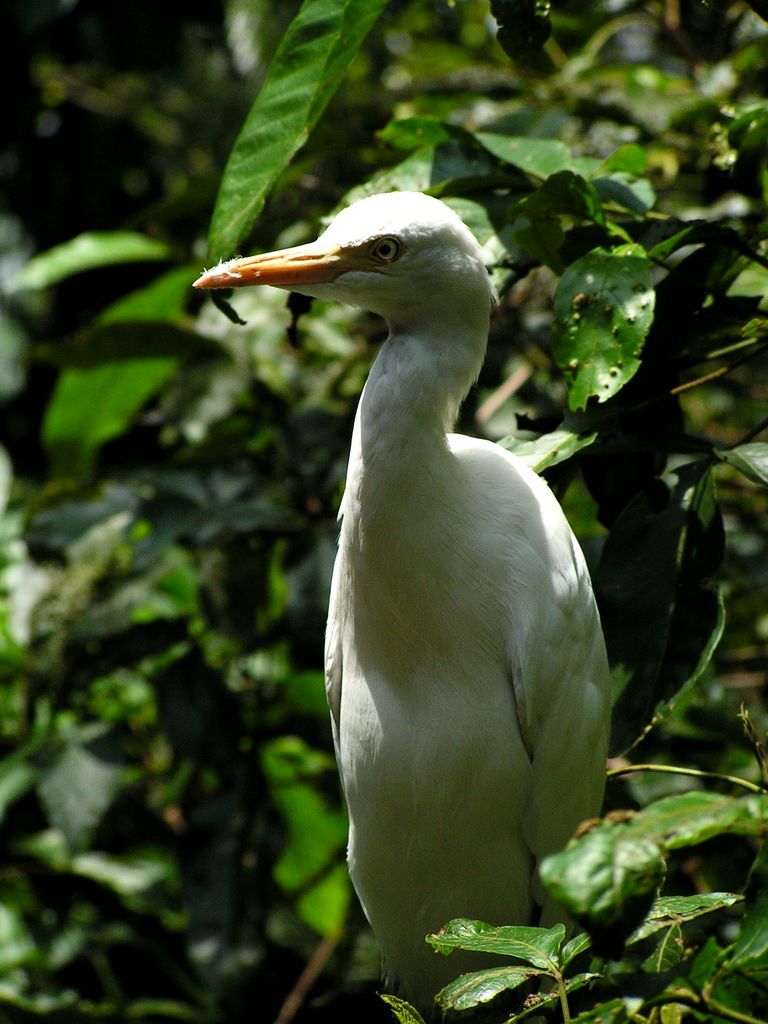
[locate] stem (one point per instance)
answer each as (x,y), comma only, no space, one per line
(670,769)
(719,372)
(754,742)
(561,991)
(713,375)
(307,978)
(727,1012)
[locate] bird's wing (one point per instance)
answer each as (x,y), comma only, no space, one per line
(333,653)
(554,644)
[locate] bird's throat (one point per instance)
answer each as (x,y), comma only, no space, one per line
(399,454)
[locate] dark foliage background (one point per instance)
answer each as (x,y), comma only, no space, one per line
(172,843)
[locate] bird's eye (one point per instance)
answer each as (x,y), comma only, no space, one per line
(386,249)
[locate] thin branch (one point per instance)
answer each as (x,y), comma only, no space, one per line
(688,385)
(502,393)
(754,742)
(561,991)
(705,379)
(312,971)
(671,769)
(725,1011)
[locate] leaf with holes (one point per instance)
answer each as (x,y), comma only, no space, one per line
(603,312)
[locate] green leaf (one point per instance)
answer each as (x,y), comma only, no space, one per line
(549,449)
(603,312)
(668,952)
(18,772)
(577,945)
(130,874)
(614,1011)
(415,132)
(760,7)
(325,904)
(661,615)
(634,194)
(80,781)
(87,252)
(403,1011)
(628,159)
(752,940)
(310,62)
(480,987)
(541,236)
(16,778)
(749,132)
(569,193)
(606,880)
(750,459)
(92,406)
(539,947)
(537,157)
(17,946)
(315,834)
(163,299)
(523,26)
(669,910)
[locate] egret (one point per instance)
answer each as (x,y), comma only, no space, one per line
(465,664)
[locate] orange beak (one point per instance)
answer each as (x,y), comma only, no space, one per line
(302,264)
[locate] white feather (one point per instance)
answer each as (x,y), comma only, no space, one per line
(466,667)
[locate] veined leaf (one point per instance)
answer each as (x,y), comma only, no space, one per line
(403,1011)
(690,818)
(668,951)
(678,909)
(310,62)
(606,880)
(539,947)
(549,449)
(603,312)
(750,459)
(470,990)
(537,157)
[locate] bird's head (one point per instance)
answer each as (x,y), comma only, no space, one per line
(400,254)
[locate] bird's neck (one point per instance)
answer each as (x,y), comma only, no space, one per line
(411,399)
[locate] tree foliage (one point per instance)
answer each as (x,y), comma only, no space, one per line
(173,838)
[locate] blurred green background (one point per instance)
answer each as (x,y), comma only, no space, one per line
(172,834)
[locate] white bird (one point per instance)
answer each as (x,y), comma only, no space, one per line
(465,665)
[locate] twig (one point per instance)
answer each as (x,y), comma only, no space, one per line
(754,742)
(502,393)
(312,970)
(563,994)
(688,385)
(671,769)
(713,375)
